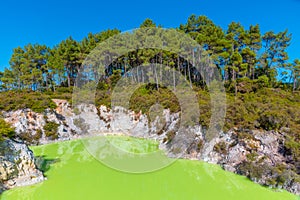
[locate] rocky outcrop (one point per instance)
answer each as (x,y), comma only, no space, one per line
(259,155)
(30,126)
(17,165)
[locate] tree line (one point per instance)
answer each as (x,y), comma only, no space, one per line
(240,54)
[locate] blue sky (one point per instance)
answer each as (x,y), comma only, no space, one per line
(49,22)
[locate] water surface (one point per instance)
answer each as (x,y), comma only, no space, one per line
(74,174)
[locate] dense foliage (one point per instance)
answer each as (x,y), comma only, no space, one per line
(6,131)
(238,52)
(14,100)
(51,129)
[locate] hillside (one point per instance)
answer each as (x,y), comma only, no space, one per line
(260,137)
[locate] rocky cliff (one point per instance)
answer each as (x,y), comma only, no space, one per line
(41,128)
(259,155)
(17,166)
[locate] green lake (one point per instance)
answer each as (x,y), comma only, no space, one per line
(72,173)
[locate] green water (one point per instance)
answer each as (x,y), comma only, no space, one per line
(74,174)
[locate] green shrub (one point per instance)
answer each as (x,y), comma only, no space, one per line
(6,131)
(200,145)
(221,148)
(252,156)
(170,136)
(31,139)
(51,130)
(263,81)
(252,170)
(36,101)
(148,95)
(272,120)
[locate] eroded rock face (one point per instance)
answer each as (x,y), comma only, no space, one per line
(257,155)
(17,165)
(30,126)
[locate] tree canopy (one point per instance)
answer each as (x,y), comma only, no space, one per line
(240,53)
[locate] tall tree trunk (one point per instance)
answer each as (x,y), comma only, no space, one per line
(234,82)
(174,81)
(137,74)
(189,71)
(178,63)
(142,72)
(69,80)
(294,84)
(156,78)
(161,65)
(69,76)
(185,73)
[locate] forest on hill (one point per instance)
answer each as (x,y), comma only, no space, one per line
(242,54)
(262,84)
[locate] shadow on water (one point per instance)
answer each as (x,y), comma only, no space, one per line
(43,163)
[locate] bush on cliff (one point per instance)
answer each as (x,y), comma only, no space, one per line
(6,131)
(51,129)
(36,101)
